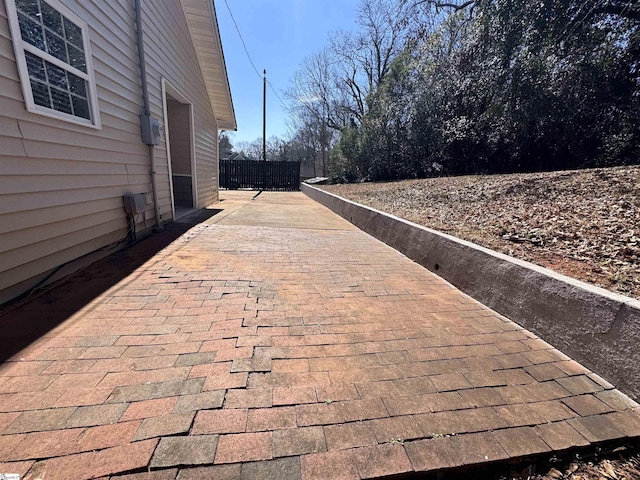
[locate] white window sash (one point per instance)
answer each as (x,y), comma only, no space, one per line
(20,46)
(27,47)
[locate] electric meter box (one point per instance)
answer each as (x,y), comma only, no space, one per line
(152,130)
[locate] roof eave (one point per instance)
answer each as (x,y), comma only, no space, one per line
(205,35)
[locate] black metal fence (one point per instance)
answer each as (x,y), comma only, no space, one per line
(259,175)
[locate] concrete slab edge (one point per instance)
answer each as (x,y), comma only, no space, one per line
(596,327)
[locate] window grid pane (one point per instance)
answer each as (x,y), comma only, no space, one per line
(41,95)
(52,19)
(45,28)
(31,31)
(61,100)
(48,30)
(56,46)
(29,7)
(35,65)
(77,86)
(76,59)
(72,33)
(57,77)
(80,107)
(56,88)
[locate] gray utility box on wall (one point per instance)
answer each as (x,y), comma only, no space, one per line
(152,130)
(133,203)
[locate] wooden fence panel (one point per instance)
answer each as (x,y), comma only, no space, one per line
(258,175)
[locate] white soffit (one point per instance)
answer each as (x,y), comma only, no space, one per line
(203,27)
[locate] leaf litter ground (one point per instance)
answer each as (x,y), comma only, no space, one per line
(584,223)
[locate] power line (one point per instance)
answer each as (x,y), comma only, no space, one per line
(276,94)
(242,39)
(246,50)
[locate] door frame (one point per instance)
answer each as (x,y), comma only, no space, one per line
(169,89)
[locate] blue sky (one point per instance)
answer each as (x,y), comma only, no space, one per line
(278,35)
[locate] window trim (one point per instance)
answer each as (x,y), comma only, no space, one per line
(20,47)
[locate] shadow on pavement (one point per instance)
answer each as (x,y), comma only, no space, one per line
(28,322)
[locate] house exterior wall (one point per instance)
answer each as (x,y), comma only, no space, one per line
(170,54)
(61,184)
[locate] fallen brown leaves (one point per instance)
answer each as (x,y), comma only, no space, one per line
(620,468)
(585,224)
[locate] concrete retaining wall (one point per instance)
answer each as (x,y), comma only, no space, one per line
(598,328)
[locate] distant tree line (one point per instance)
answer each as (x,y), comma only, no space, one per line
(426,88)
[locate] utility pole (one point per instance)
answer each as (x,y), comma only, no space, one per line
(264,116)
(324,140)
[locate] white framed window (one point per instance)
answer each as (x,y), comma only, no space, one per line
(52,50)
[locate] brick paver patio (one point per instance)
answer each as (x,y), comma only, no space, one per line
(275,340)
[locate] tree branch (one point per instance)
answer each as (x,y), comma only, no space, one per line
(618,10)
(437,4)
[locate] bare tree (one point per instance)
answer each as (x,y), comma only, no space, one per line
(362,59)
(627,9)
(250,149)
(335,82)
(331,89)
(454,5)
(315,103)
(225,148)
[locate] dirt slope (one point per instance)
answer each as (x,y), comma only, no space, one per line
(585,224)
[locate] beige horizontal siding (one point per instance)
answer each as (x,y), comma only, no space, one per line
(61,184)
(62,255)
(18,221)
(40,160)
(27,202)
(43,183)
(14,241)
(51,246)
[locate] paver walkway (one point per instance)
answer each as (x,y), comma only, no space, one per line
(275,340)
